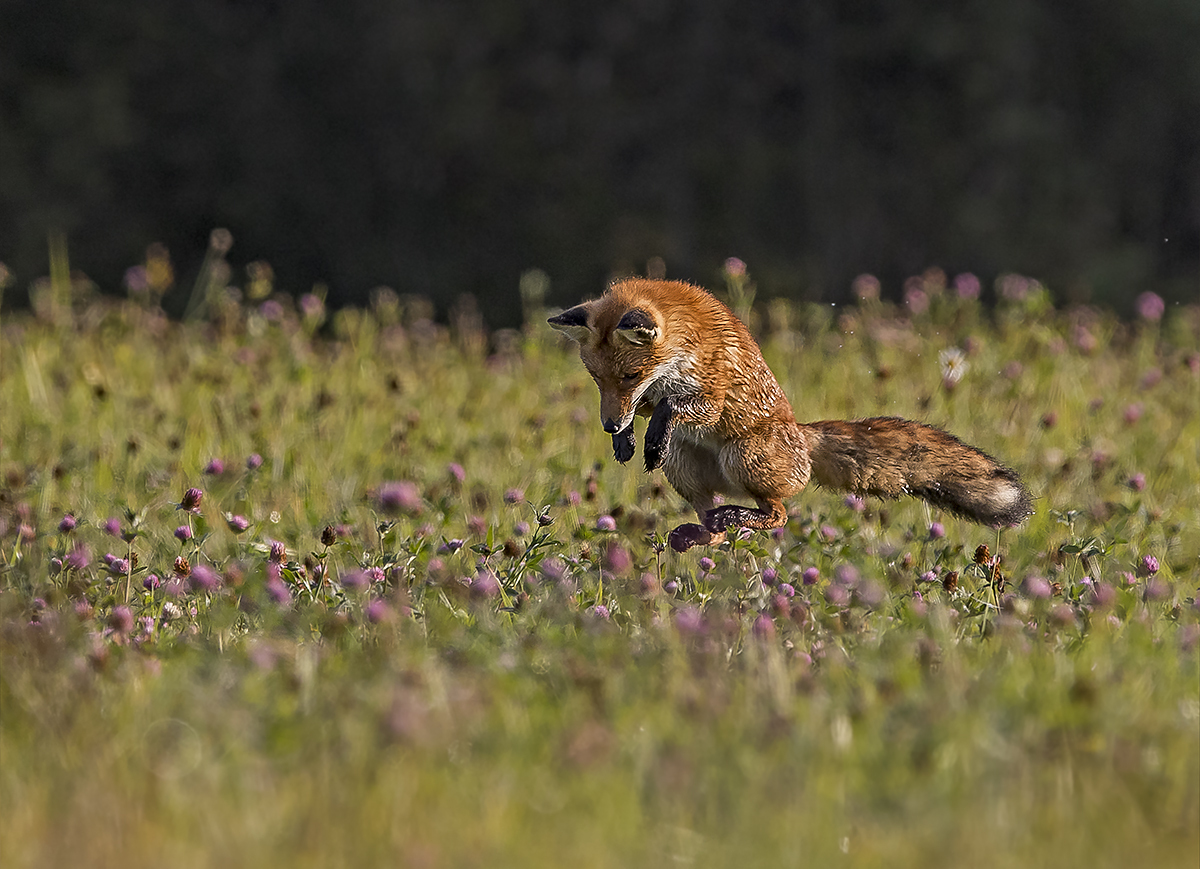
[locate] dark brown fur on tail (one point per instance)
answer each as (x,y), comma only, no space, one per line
(890,457)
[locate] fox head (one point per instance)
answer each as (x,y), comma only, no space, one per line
(622,348)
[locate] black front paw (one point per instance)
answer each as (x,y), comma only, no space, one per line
(623,444)
(658,436)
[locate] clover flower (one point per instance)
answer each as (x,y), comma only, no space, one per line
(203,579)
(485,585)
(191,500)
(399,497)
(763,627)
(1150,306)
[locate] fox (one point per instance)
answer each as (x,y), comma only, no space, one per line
(719,423)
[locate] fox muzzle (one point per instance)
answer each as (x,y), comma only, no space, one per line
(611,426)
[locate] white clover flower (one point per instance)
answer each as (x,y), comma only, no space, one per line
(954,364)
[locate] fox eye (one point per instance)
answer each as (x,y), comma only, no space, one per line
(631,376)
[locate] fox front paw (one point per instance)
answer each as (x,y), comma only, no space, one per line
(623,444)
(658,435)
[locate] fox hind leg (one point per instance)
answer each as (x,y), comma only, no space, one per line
(770,514)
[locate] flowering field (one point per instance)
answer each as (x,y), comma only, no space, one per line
(276,591)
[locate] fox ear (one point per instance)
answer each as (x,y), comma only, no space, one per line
(573,322)
(637,327)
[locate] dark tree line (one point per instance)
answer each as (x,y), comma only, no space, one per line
(443,146)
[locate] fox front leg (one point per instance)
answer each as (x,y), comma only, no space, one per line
(623,444)
(658,434)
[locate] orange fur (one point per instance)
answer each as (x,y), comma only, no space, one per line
(720,424)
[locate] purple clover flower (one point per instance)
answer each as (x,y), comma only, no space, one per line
(689,621)
(354,580)
(763,627)
(277,590)
(617,558)
(770,576)
(810,576)
(1036,587)
(967,286)
(707,564)
(846,575)
(600,611)
(214,468)
(606,523)
(377,611)
(400,497)
(121,620)
(237,524)
(112,526)
(183,533)
(253,462)
(485,585)
(456,472)
(937,531)
(77,559)
(203,579)
(514,496)
(1148,566)
(855,503)
(838,595)
(277,552)
(787,590)
(1150,306)
(67,525)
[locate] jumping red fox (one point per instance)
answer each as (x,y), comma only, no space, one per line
(720,424)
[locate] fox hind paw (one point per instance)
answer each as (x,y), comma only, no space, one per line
(684,537)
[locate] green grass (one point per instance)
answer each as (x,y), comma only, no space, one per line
(916,706)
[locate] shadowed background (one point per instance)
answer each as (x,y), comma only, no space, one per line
(444,147)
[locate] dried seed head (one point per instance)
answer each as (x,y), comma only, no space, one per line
(950,583)
(182,568)
(328,536)
(191,500)
(981,553)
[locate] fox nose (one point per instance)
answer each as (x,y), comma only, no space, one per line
(610,426)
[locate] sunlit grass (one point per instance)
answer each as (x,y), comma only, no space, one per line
(469,669)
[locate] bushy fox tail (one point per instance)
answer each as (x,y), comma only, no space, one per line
(890,457)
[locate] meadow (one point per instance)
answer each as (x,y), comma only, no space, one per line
(280,587)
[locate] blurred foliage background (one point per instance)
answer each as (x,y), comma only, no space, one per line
(443,147)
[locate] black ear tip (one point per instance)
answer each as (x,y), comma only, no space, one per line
(576,316)
(636,318)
